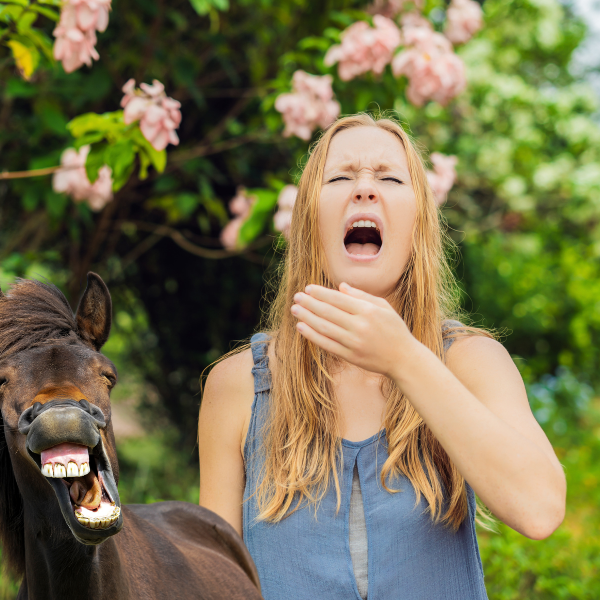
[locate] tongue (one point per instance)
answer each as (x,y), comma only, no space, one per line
(86,491)
(365,249)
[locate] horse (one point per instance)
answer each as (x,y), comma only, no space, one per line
(62,527)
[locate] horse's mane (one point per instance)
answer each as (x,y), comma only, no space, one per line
(32,314)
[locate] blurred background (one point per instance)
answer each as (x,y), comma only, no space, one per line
(182,201)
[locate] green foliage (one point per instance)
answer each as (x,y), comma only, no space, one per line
(565,566)
(115,144)
(261,214)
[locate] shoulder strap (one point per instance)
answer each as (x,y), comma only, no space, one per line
(259,344)
(446,326)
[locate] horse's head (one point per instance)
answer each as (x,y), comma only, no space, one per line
(54,394)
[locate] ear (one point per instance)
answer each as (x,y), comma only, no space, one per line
(94,313)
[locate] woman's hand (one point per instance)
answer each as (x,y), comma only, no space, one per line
(359,328)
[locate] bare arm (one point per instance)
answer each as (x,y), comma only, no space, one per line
(476,406)
(224,418)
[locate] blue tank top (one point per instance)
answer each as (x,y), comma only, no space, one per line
(307,556)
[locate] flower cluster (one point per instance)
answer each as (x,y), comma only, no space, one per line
(311,104)
(433,70)
(443,176)
(464,18)
(76,32)
(72,179)
(364,48)
(285,203)
(240,206)
(159,115)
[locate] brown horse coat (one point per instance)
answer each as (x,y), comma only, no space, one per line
(54,393)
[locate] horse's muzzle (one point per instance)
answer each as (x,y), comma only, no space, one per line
(63,438)
(59,421)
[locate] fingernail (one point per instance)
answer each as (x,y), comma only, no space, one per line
(294,309)
(297,297)
(308,289)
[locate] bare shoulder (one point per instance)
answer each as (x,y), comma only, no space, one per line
(487,369)
(232,375)
(472,350)
(228,394)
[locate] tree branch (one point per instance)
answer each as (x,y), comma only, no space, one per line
(185,244)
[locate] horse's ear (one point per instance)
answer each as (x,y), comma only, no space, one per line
(94,313)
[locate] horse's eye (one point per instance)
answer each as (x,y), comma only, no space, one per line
(110,378)
(3,380)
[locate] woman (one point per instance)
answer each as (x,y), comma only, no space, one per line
(347,444)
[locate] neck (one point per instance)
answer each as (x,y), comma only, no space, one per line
(58,566)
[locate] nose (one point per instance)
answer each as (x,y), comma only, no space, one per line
(365,190)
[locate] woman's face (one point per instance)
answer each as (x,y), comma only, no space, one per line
(367,209)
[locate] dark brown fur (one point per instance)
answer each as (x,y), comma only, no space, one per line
(165,550)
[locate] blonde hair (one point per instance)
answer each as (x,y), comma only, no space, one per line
(301,439)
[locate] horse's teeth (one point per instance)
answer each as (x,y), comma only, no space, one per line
(72,470)
(84,469)
(47,470)
(59,470)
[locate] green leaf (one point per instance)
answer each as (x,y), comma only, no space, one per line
(156,158)
(25,21)
(203,7)
(47,12)
(120,158)
(56,204)
(10,13)
(95,161)
(26,56)
(43,42)
(262,212)
(18,2)
(51,2)
(17,88)
(88,138)
(109,123)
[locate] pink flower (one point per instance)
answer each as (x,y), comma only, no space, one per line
(283,217)
(240,206)
(76,32)
(310,104)
(364,48)
(433,70)
(464,18)
(73,180)
(443,176)
(91,14)
(159,115)
(390,8)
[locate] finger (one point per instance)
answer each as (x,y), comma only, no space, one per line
(320,325)
(324,309)
(322,341)
(342,301)
(361,295)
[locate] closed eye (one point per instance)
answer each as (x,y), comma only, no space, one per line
(112,380)
(341,178)
(392,179)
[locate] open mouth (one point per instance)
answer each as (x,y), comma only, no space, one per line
(363,238)
(82,473)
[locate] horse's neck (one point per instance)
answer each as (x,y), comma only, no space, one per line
(59,567)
